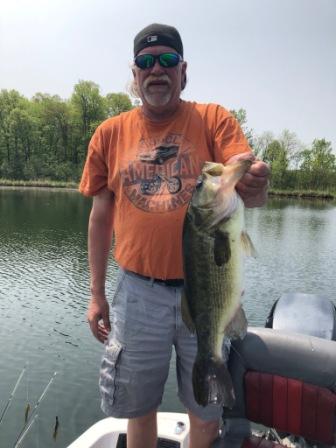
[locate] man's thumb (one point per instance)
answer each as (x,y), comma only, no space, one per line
(106,321)
(241,156)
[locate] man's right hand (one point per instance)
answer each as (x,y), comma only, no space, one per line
(98,318)
(99,243)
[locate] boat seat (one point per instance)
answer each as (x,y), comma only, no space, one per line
(290,406)
(285,381)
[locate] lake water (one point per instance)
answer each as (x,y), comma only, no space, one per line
(44,290)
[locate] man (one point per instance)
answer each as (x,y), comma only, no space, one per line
(141,169)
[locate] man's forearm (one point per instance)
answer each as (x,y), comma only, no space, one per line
(99,244)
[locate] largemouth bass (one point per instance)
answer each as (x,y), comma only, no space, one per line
(213,239)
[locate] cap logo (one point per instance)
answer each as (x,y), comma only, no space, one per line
(152,38)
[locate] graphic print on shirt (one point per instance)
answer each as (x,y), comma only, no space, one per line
(163,175)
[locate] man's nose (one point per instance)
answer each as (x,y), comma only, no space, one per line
(157,68)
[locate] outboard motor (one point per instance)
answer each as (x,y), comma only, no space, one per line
(310,314)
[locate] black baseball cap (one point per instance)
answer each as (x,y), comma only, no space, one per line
(158,34)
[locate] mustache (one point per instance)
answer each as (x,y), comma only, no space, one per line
(161,78)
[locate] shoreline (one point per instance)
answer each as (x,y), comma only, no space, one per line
(302,194)
(41,185)
(72,186)
(38,187)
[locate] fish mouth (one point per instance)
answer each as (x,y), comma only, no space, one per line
(233,171)
(215,170)
(216,198)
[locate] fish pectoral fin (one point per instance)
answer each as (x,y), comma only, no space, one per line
(237,328)
(247,244)
(185,312)
(222,250)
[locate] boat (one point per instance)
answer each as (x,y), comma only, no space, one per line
(284,377)
(173,432)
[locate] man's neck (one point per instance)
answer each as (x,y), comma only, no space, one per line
(158,114)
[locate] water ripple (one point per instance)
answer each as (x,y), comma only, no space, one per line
(44,289)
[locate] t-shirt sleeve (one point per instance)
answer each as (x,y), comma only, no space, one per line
(229,138)
(95,172)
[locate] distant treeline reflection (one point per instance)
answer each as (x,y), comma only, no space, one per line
(46,138)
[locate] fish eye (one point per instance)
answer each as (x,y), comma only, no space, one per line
(199,182)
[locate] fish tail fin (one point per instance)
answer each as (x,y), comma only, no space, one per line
(212,382)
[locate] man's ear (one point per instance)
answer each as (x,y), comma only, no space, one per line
(134,81)
(184,67)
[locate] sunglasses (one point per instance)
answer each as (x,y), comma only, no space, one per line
(166,60)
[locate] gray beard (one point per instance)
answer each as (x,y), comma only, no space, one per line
(157,100)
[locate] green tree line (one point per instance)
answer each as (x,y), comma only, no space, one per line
(46,137)
(294,166)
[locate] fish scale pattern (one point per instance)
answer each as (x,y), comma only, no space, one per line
(292,406)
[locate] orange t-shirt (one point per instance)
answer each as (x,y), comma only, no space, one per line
(152,169)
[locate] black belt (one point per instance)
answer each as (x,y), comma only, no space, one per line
(175,282)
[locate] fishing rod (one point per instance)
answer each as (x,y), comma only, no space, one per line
(9,402)
(37,404)
(25,432)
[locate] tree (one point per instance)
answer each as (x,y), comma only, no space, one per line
(47,137)
(277,156)
(318,167)
(292,146)
(89,104)
(88,110)
(261,143)
(54,122)
(20,132)
(9,100)
(117,103)
(241,117)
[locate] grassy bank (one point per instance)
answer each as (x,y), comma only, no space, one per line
(306,194)
(43,183)
(40,183)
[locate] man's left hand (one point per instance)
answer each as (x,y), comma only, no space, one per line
(253,186)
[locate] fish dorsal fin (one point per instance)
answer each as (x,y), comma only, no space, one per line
(222,250)
(185,312)
(247,244)
(238,325)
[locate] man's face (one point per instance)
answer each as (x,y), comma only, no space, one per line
(158,86)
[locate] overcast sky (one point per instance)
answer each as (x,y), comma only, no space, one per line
(274,58)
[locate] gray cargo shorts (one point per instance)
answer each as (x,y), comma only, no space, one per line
(145,324)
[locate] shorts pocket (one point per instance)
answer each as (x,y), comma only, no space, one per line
(119,283)
(108,371)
